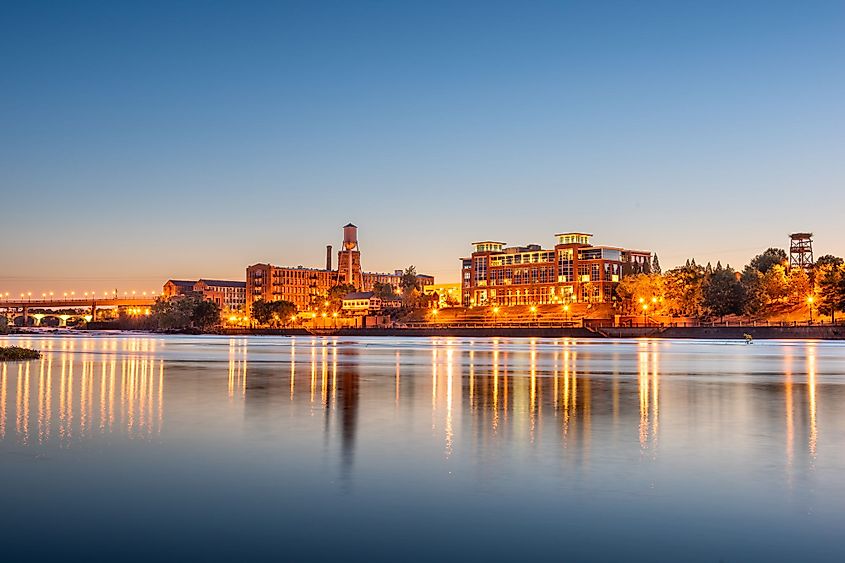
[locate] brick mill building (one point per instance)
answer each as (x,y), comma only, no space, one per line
(229,295)
(305,287)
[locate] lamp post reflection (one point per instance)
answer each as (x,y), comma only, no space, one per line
(82,386)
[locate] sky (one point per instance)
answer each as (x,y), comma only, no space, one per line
(153,140)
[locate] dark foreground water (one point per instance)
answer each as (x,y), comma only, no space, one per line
(302,449)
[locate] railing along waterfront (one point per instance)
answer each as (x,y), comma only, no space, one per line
(602,323)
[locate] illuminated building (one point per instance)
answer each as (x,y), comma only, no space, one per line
(228,295)
(308,287)
(173,288)
(366,302)
(573,271)
(449,294)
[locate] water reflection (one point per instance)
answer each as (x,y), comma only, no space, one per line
(76,395)
(479,392)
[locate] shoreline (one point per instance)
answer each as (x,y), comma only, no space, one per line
(806,332)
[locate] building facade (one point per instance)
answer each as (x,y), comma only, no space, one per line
(571,272)
(230,296)
(366,302)
(307,287)
(449,294)
(174,288)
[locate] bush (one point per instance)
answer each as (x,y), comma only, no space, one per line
(16,353)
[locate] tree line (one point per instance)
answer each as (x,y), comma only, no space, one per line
(764,287)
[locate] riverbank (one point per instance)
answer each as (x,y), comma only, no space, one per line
(819,332)
(800,332)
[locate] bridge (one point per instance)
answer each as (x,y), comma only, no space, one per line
(21,307)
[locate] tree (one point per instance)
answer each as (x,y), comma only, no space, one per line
(409,280)
(775,285)
(683,289)
(828,259)
(830,289)
(722,293)
(798,283)
(272,312)
(336,293)
(771,257)
(648,287)
(655,265)
(281,312)
(384,291)
(205,314)
(260,312)
(183,312)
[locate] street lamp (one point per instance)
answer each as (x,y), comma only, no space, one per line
(810,307)
(645,310)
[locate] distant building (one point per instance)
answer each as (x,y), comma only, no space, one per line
(306,287)
(423,280)
(173,288)
(361,303)
(366,302)
(230,296)
(573,271)
(449,294)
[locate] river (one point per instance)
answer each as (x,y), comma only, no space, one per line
(146,447)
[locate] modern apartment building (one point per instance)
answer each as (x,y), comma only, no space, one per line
(573,271)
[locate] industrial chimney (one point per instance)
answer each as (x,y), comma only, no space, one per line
(328,257)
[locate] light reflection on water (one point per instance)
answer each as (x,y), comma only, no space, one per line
(526,426)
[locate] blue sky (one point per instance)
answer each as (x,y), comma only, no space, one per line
(190,139)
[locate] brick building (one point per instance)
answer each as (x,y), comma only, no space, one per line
(307,287)
(573,271)
(229,295)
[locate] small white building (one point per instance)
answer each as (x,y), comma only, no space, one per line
(361,303)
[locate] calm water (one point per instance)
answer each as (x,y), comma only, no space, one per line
(299,449)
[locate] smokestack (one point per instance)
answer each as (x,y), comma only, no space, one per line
(328,257)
